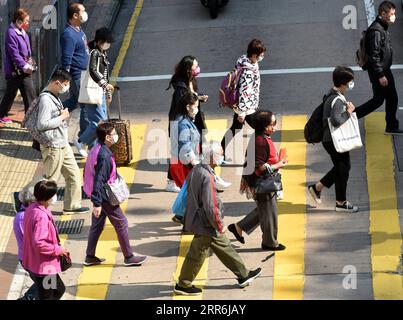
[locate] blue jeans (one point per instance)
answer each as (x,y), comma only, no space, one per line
(72,103)
(95,114)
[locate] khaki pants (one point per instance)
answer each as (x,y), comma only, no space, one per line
(61,161)
(199,250)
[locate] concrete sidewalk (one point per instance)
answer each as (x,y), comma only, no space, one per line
(19,162)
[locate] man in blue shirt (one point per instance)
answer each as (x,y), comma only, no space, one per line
(75,55)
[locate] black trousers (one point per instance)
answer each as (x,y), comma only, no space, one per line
(236,125)
(381,94)
(49,287)
(339,174)
(25,84)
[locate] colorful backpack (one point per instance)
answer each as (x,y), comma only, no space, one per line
(30,121)
(228,95)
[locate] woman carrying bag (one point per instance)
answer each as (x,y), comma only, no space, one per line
(99,174)
(267,161)
(97,88)
(42,253)
(337,111)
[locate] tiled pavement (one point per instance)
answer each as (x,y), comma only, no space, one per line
(18,161)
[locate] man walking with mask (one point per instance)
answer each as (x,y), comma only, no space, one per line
(379,54)
(74,58)
(58,158)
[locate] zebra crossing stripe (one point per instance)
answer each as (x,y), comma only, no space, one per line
(289,264)
(386,239)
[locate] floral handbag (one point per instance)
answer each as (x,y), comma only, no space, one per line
(117,192)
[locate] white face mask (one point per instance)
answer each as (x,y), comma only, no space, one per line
(84,17)
(115,139)
(193,112)
(105,46)
(392,19)
(53,200)
(351,85)
(64,89)
(260,58)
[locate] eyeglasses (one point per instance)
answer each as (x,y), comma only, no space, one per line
(274,123)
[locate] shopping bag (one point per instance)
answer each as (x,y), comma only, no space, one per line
(90,91)
(346,137)
(180,205)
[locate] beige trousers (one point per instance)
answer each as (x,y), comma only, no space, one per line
(61,161)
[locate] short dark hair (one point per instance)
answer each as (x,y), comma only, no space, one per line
(60,75)
(342,76)
(104,129)
(20,14)
(386,6)
(255,47)
(188,98)
(45,190)
(104,35)
(72,9)
(262,119)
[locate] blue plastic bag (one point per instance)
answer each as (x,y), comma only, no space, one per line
(180,205)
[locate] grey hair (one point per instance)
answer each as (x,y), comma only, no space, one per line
(26,195)
(210,149)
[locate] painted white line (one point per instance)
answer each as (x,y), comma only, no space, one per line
(262,72)
(370,11)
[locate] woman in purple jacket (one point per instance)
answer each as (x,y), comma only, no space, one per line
(18,65)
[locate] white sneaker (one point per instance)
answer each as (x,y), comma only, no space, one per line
(172,187)
(221,184)
(81,148)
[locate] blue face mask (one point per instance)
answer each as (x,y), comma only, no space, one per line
(350,85)
(220,161)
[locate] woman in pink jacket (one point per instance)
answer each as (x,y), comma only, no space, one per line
(41,248)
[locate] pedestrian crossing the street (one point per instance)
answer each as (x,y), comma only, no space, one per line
(216,131)
(94,281)
(289,270)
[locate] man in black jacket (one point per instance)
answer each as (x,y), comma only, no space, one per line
(379,51)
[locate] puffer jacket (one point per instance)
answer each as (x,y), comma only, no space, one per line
(204,213)
(378,47)
(249,87)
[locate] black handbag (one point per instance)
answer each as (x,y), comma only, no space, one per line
(65,262)
(269,183)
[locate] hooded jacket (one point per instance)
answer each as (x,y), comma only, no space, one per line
(379,48)
(249,87)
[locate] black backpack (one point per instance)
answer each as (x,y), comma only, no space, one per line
(361,55)
(313,131)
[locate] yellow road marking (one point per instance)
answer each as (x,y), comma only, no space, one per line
(127,40)
(289,264)
(386,240)
(94,281)
(216,130)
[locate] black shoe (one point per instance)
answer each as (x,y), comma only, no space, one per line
(92,261)
(251,276)
(346,207)
(79,210)
(191,291)
(314,193)
(232,228)
(280,247)
(394,132)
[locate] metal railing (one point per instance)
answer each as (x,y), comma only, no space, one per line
(47,44)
